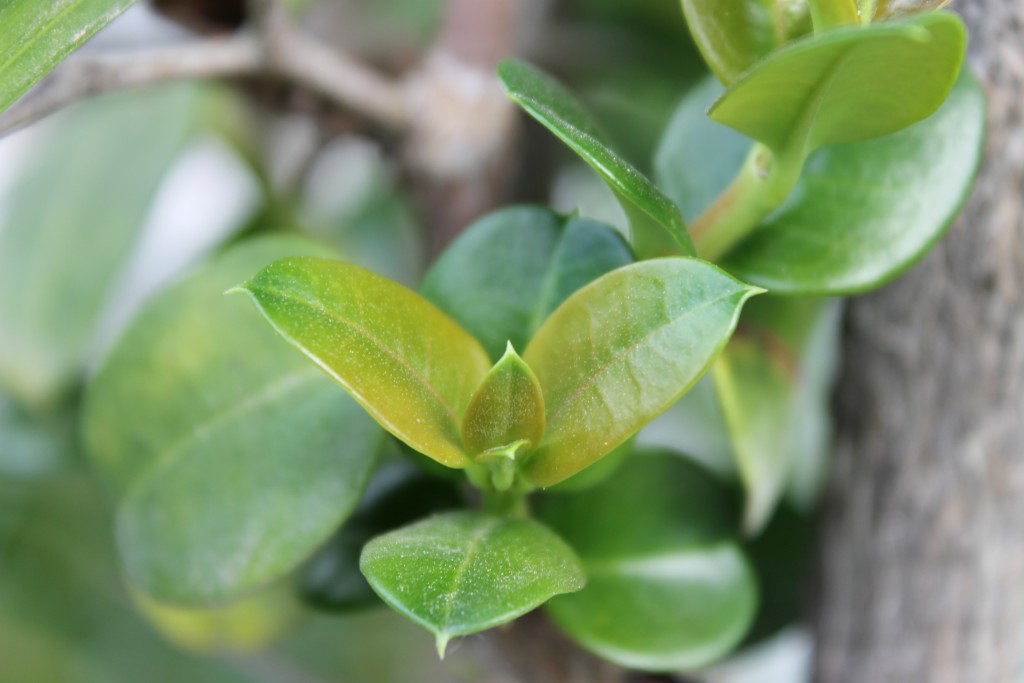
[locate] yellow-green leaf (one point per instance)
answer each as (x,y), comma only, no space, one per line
(508,407)
(406,362)
(622,350)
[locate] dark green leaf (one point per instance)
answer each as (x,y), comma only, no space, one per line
(232,458)
(657,226)
(464,572)
(668,587)
(398,494)
(402,359)
(622,350)
(505,275)
(36,36)
(846,85)
(735,34)
(863,213)
(774,380)
(70,222)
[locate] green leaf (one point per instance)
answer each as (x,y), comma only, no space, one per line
(70,223)
(668,587)
(507,408)
(733,35)
(232,458)
(36,36)
(401,358)
(464,572)
(846,85)
(504,276)
(622,350)
(827,14)
(656,225)
(774,380)
(398,494)
(864,213)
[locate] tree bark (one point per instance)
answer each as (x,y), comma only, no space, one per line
(921,561)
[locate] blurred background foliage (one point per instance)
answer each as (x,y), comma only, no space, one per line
(112,200)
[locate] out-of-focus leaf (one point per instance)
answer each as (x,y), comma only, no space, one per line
(398,494)
(865,212)
(70,222)
(31,444)
(63,614)
(657,227)
(622,350)
(697,157)
(243,626)
(889,9)
(814,93)
(464,572)
(735,34)
(36,36)
(774,394)
(231,457)
(668,587)
(407,363)
(505,275)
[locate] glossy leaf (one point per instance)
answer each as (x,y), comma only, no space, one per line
(36,36)
(863,213)
(733,35)
(668,587)
(507,408)
(398,494)
(70,222)
(407,363)
(464,572)
(622,350)
(813,93)
(504,276)
(657,227)
(774,380)
(232,458)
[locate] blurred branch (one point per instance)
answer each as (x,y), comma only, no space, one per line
(276,50)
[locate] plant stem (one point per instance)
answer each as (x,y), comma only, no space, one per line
(510,504)
(763,183)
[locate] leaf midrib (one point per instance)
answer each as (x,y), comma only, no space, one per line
(475,541)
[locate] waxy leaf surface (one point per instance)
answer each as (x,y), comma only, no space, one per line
(733,35)
(863,213)
(69,225)
(463,572)
(36,36)
(231,457)
(401,358)
(622,350)
(508,407)
(504,276)
(847,85)
(668,587)
(773,381)
(657,227)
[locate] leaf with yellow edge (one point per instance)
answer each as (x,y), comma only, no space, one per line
(399,356)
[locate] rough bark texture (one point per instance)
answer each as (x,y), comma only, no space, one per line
(921,564)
